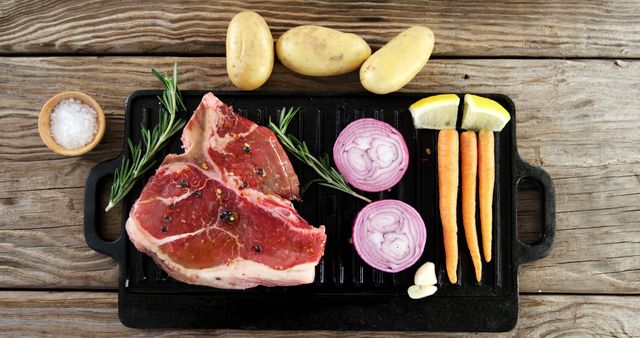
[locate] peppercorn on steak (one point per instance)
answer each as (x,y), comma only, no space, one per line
(220,214)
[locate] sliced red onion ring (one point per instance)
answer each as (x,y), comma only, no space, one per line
(389,235)
(371,155)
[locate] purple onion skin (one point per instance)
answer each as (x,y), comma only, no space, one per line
(371,155)
(408,228)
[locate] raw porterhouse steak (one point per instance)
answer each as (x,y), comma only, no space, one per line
(219,214)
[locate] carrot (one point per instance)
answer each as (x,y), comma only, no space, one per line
(469,171)
(448,187)
(486,180)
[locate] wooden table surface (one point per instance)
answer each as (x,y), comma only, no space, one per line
(571,67)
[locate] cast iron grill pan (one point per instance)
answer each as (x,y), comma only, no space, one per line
(347,294)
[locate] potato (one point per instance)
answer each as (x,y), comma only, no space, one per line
(321,51)
(398,62)
(249,50)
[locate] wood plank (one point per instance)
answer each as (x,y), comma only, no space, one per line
(575,118)
(565,28)
(96,314)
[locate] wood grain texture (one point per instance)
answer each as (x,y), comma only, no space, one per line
(530,212)
(96,314)
(567,28)
(577,119)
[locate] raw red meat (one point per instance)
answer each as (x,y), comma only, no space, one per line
(219,214)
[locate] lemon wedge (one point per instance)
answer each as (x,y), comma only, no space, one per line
(482,113)
(435,112)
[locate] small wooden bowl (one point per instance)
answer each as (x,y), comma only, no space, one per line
(44,123)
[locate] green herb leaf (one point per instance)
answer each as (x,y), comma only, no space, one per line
(329,176)
(141,155)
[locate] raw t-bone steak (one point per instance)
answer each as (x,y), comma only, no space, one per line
(219,214)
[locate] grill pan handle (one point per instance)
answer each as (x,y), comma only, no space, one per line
(92,210)
(524,252)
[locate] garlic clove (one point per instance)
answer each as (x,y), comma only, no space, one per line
(421,291)
(426,275)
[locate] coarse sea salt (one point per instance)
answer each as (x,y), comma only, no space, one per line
(73,123)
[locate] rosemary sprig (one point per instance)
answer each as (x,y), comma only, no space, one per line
(330,177)
(142,154)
